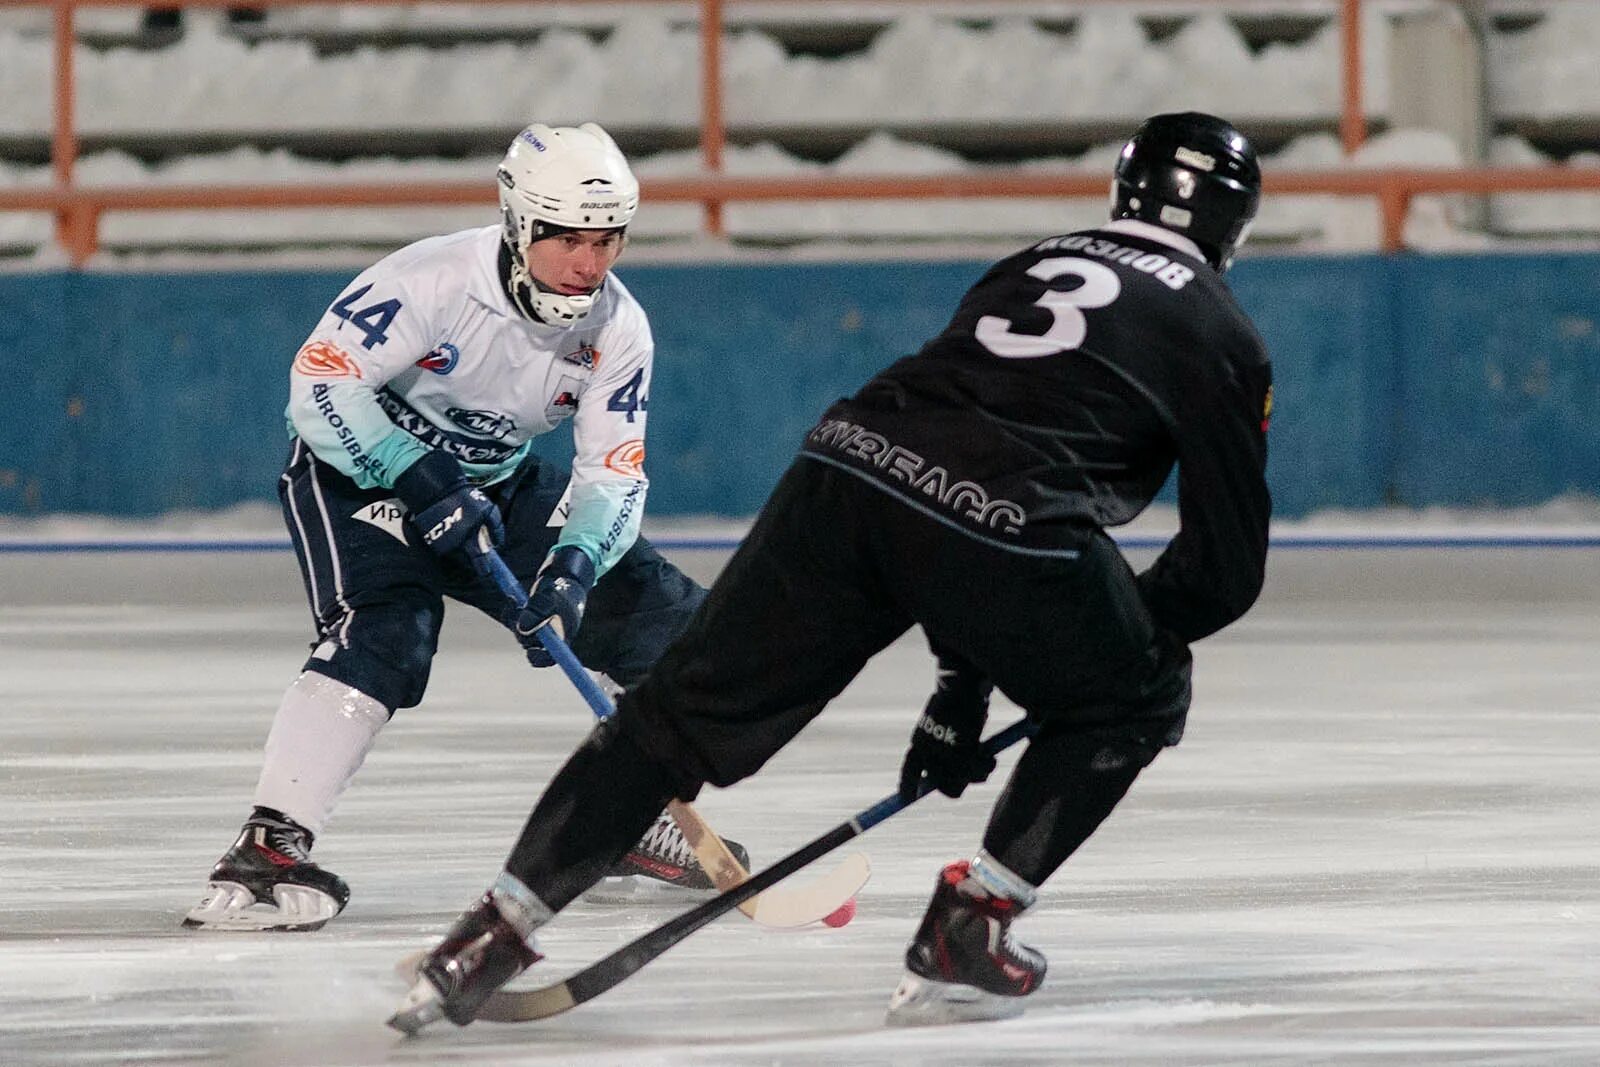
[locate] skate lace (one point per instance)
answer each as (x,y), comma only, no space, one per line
(283,840)
(998,915)
(666,842)
(1004,946)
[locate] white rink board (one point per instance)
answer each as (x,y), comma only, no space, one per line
(1377,845)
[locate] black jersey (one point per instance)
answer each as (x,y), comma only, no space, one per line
(1072,377)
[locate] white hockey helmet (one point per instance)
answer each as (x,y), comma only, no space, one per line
(554,179)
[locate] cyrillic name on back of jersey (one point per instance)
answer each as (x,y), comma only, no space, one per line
(1172,274)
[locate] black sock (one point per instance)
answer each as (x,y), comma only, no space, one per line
(595,809)
(1062,789)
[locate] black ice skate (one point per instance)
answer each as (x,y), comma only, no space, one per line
(267,881)
(488,946)
(661,864)
(962,965)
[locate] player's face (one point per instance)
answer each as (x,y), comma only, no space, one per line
(574,263)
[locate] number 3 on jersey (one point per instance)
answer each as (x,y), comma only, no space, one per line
(1067,326)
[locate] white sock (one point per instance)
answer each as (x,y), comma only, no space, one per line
(321,734)
(1000,881)
(519,906)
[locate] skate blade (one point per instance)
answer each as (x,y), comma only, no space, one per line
(919,1001)
(421,1007)
(229,906)
(641,889)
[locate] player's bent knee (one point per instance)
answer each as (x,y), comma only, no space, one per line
(394,679)
(639,761)
(1113,749)
(625,633)
(387,655)
(635,727)
(391,688)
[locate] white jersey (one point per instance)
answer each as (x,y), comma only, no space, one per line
(424,350)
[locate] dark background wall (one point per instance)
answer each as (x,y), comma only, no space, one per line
(1440,380)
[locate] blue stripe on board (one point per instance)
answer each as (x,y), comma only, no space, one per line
(13,547)
(723,544)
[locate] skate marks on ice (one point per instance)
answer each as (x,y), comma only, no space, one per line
(1376,845)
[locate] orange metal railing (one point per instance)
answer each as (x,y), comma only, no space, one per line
(78,209)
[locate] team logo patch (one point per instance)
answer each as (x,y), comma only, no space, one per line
(587,357)
(485,423)
(441,360)
(564,404)
(322,359)
(627,458)
(1266,411)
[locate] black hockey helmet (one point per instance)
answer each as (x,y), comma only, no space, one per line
(1191,173)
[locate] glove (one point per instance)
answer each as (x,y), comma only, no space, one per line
(448,512)
(946,746)
(559,594)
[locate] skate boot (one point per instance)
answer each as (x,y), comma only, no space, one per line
(267,881)
(488,946)
(962,965)
(661,865)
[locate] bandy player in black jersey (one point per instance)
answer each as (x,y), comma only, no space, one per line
(965,489)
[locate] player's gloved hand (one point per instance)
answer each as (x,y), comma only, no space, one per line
(448,511)
(946,746)
(558,597)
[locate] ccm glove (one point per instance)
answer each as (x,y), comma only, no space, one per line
(447,511)
(559,594)
(946,746)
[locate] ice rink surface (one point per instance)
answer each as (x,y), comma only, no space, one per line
(1379,843)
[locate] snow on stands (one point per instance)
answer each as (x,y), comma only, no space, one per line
(275,109)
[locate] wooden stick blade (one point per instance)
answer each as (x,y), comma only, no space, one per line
(781,907)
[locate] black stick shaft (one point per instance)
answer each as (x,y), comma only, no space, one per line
(630,958)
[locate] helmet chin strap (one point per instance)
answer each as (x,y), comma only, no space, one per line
(538,303)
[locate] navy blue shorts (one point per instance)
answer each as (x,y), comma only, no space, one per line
(378,595)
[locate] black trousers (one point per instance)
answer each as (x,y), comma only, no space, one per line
(832,572)
(835,569)
(378,594)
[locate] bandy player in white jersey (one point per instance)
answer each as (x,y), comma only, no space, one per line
(412,406)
